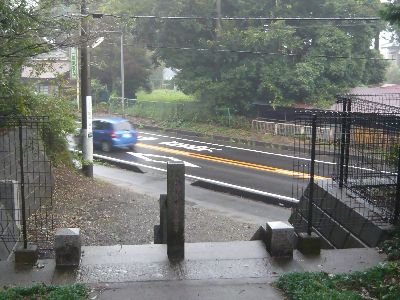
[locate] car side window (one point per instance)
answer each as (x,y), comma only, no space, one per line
(106,125)
(95,125)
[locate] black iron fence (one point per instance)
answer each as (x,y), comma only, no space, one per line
(26,185)
(352,170)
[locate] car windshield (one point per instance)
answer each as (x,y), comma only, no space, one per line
(122,126)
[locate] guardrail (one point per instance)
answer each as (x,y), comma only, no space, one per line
(291,130)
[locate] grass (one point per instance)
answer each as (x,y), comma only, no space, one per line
(163,95)
(45,292)
(380,282)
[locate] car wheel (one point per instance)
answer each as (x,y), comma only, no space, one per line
(105,146)
(132,148)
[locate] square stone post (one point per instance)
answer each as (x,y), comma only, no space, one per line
(176,211)
(279,239)
(68,247)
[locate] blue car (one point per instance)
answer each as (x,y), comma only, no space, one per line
(112,133)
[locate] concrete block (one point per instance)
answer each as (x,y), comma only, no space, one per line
(279,239)
(10,199)
(26,256)
(309,244)
(259,235)
(67,246)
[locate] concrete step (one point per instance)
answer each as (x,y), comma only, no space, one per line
(225,270)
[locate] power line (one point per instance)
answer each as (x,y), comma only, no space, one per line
(154,47)
(226,18)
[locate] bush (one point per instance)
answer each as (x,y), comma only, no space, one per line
(61,123)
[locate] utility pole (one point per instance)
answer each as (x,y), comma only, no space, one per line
(122,73)
(86,99)
(219,28)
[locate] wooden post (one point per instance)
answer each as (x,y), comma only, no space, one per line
(176,211)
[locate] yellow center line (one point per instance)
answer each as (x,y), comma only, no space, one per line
(229,161)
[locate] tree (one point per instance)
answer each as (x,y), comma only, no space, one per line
(27,28)
(106,66)
(282,62)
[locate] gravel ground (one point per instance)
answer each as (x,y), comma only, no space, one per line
(109,215)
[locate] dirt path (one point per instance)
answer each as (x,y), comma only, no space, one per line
(109,215)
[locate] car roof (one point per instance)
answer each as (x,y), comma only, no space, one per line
(111,119)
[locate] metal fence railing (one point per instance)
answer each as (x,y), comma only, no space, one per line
(289,129)
(354,172)
(26,184)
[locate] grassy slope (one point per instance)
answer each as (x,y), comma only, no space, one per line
(164,96)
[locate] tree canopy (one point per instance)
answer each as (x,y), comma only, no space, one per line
(277,62)
(27,28)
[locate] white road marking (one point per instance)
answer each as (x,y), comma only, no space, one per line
(262,152)
(147,138)
(239,148)
(189,147)
(160,159)
(281,197)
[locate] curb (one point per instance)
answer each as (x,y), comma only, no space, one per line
(119,163)
(265,197)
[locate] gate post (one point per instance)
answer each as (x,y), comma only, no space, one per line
(397,204)
(312,173)
(21,164)
(176,210)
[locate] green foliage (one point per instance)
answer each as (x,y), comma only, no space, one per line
(164,96)
(380,282)
(392,246)
(393,74)
(61,122)
(106,60)
(284,62)
(25,30)
(99,90)
(45,292)
(391,12)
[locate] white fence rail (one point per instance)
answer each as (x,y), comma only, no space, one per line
(290,129)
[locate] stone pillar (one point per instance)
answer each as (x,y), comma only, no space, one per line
(68,247)
(176,211)
(279,239)
(160,231)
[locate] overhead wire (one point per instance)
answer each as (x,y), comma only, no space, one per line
(155,47)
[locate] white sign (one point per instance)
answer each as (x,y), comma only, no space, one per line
(160,159)
(189,147)
(89,115)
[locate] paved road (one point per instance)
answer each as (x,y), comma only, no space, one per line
(251,168)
